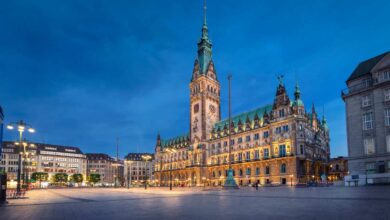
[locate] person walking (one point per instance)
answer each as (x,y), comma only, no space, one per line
(257,186)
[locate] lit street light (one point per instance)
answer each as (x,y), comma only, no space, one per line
(21,128)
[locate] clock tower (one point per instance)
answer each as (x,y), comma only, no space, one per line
(204,91)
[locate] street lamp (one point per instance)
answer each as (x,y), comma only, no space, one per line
(146,158)
(291,179)
(21,127)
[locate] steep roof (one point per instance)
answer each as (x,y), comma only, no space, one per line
(177,142)
(98,156)
(366,66)
(138,156)
(243,117)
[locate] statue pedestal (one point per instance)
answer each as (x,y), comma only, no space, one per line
(230,183)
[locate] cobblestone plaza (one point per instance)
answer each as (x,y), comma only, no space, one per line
(199,203)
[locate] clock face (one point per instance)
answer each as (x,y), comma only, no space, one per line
(212,108)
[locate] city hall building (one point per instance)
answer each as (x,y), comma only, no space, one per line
(279,143)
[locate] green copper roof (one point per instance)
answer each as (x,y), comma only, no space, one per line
(298,103)
(244,116)
(204,47)
(176,142)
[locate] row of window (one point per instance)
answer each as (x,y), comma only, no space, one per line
(366,100)
(248,171)
(368,119)
(282,153)
(369,145)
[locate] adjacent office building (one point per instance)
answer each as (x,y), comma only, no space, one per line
(110,170)
(138,168)
(367,102)
(46,158)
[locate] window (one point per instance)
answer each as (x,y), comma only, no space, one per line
(282,150)
(369,146)
(388,143)
(281,113)
(387,116)
(283,168)
(225,143)
(239,156)
(267,170)
(256,154)
(367,121)
(248,155)
(232,142)
(387,94)
(266,153)
(256,137)
(196,108)
(265,134)
(278,130)
(239,140)
(301,149)
(285,128)
(371,168)
(386,75)
(241,173)
(366,101)
(248,138)
(300,127)
(257,171)
(248,171)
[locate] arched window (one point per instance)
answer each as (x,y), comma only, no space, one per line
(283,168)
(241,172)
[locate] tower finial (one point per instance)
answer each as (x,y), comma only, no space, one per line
(204,13)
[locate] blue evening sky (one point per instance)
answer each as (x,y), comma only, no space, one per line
(86,72)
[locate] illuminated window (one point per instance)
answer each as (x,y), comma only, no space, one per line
(282,150)
(266,153)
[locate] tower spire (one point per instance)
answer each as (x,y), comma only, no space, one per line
(297,92)
(204,13)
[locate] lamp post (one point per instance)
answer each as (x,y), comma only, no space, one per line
(146,158)
(21,128)
(291,179)
(230,183)
(204,182)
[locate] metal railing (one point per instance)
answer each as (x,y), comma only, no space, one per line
(356,88)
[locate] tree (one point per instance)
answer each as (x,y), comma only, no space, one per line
(77,178)
(60,178)
(94,178)
(40,176)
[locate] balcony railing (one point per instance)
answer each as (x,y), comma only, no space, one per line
(357,88)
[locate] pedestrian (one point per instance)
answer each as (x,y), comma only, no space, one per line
(257,186)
